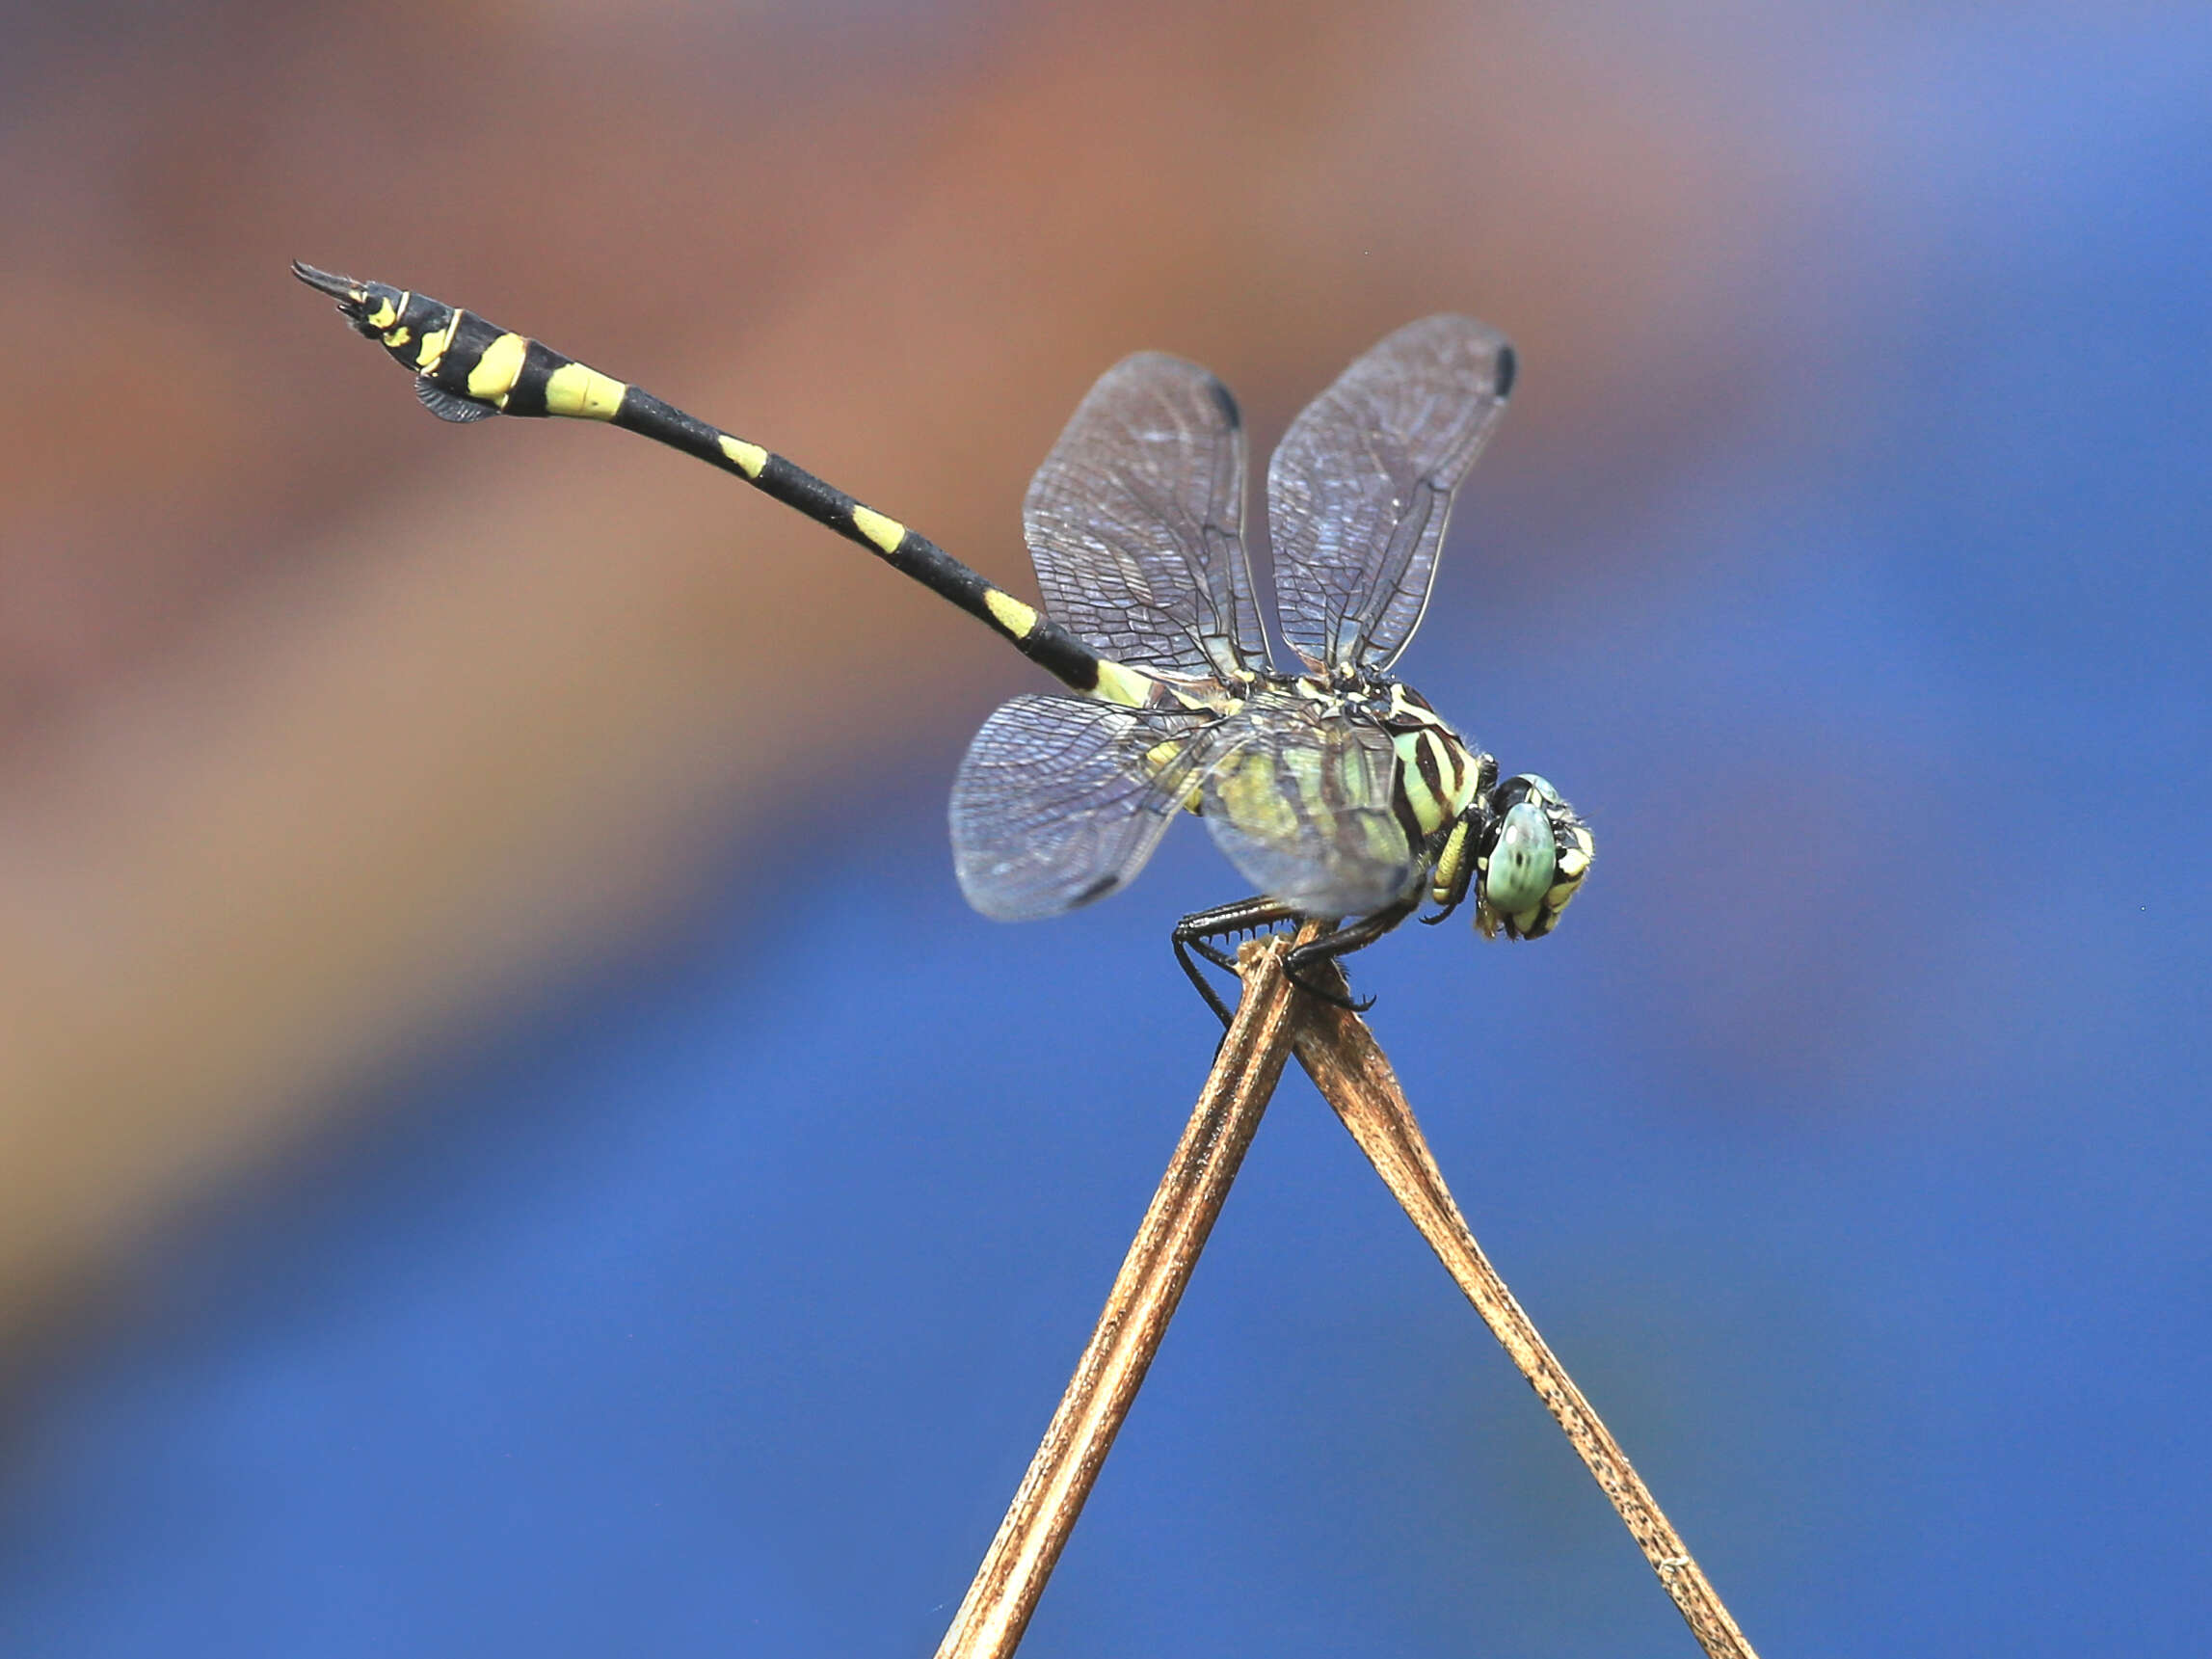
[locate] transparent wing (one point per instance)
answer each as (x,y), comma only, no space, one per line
(1359,489)
(1301,806)
(1136,522)
(1060,801)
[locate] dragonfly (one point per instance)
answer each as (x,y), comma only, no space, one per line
(1334,788)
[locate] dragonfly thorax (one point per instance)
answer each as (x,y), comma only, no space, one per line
(1517,848)
(1439,775)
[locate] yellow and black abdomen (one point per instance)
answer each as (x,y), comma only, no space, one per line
(466,368)
(466,356)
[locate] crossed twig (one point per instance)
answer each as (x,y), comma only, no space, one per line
(1338,1053)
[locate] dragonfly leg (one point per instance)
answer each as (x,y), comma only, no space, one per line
(1343,943)
(1200,930)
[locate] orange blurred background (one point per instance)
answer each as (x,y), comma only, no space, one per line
(509,1138)
(329,730)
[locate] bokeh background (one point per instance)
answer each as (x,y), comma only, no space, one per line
(510,1140)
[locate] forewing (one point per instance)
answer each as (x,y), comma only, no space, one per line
(1136,522)
(1301,806)
(1360,488)
(1060,801)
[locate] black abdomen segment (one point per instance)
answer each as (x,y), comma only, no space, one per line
(468,357)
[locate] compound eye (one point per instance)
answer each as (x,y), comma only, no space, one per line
(1522,863)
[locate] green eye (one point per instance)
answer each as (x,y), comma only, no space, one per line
(1522,863)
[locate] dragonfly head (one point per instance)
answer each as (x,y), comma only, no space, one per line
(1531,853)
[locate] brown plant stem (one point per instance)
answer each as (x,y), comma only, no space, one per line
(1004,1593)
(1338,1053)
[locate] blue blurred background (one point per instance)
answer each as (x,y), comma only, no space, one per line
(510,1140)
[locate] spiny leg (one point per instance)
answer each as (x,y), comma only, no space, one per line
(1343,943)
(1199,930)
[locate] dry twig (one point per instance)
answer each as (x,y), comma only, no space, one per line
(1338,1053)
(997,1608)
